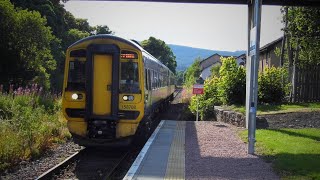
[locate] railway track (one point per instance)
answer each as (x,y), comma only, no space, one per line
(89,163)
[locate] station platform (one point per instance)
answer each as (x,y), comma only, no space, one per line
(197,150)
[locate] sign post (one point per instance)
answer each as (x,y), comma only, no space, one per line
(198,89)
(254,24)
(197,118)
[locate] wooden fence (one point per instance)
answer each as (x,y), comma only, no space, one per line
(306,84)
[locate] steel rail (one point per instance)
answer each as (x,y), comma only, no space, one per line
(56,169)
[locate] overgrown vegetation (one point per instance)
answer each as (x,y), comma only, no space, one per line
(294,153)
(30,122)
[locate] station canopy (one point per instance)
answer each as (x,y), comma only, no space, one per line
(264,2)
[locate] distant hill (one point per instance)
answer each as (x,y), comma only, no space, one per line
(185,55)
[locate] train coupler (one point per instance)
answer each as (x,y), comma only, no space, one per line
(102,129)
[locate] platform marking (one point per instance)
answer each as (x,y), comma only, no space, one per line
(136,164)
(176,161)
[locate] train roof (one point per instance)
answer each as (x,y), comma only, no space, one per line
(130,42)
(107,36)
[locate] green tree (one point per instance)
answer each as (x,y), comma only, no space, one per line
(179,77)
(192,73)
(160,50)
(28,53)
(102,30)
(74,35)
(83,25)
(303,30)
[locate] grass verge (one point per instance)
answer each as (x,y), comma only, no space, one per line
(281,108)
(294,153)
(29,124)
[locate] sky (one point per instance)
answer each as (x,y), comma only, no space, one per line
(208,26)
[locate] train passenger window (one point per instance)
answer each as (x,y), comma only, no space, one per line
(76,76)
(146,84)
(158,82)
(129,77)
(149,79)
(154,82)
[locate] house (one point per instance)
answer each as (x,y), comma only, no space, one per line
(268,58)
(215,60)
(241,60)
(208,63)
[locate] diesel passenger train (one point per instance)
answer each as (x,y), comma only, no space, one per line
(112,87)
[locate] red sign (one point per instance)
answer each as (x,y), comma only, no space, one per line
(198,89)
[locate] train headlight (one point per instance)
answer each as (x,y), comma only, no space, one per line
(128,98)
(74,96)
(131,98)
(125,98)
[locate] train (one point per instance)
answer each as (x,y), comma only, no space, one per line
(112,88)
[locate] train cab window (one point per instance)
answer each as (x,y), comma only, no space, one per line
(76,76)
(129,82)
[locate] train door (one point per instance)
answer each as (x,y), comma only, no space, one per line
(103,82)
(101,87)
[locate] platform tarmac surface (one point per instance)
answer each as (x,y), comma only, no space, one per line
(197,150)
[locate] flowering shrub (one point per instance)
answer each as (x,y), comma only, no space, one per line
(29,122)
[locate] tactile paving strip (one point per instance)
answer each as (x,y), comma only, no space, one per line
(176,161)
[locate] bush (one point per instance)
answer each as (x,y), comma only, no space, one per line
(271,87)
(229,87)
(28,124)
(226,87)
(232,86)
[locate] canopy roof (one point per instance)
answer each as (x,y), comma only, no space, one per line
(264,2)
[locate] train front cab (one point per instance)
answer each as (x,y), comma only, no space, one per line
(103,98)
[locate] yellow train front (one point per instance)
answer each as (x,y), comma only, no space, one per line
(111,88)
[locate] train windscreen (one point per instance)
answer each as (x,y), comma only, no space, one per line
(129,82)
(76,76)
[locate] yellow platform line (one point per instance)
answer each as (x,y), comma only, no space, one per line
(176,162)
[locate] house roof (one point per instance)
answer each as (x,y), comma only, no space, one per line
(271,44)
(209,57)
(204,64)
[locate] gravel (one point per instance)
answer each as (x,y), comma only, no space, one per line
(33,168)
(214,151)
